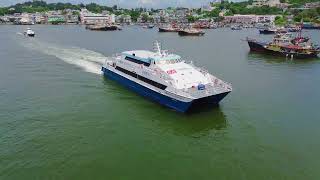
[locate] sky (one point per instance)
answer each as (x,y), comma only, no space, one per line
(128,3)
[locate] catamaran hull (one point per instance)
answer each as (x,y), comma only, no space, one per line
(260,48)
(162,99)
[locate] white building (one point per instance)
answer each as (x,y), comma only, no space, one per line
(249,19)
(270,3)
(123,19)
(88,17)
(312,5)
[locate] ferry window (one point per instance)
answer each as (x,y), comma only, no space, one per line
(146,80)
(137,61)
(133,74)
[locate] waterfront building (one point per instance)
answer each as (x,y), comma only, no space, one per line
(182,12)
(56,19)
(4,19)
(312,5)
(144,17)
(24,19)
(260,3)
(88,18)
(249,19)
(283,6)
(162,12)
(39,18)
(123,19)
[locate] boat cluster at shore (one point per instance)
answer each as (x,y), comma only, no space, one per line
(283,44)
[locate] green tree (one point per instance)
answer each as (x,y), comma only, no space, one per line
(214,13)
(134,14)
(93,7)
(3,11)
(280,21)
(144,18)
(191,19)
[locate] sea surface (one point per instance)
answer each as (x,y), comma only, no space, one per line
(61,119)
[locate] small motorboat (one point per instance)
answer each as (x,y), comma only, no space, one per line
(235,28)
(150,26)
(29,33)
(268,31)
(168,28)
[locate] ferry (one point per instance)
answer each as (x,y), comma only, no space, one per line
(166,78)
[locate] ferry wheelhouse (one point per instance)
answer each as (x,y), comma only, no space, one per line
(166,78)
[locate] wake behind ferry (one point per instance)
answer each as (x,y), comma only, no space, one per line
(166,79)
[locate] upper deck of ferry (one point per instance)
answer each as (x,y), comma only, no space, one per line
(150,57)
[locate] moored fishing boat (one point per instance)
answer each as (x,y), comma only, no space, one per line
(236,27)
(268,30)
(168,28)
(166,78)
(310,26)
(287,46)
(293,29)
(102,27)
(191,32)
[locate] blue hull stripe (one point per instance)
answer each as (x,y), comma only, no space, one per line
(146,92)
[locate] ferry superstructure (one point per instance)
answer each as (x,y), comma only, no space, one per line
(166,78)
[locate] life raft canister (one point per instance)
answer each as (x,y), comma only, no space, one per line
(201,87)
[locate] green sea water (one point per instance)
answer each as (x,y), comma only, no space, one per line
(61,119)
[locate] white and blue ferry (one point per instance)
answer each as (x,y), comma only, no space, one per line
(166,78)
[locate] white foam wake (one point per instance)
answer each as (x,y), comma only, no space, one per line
(87,60)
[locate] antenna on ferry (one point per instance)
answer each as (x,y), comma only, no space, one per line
(157,47)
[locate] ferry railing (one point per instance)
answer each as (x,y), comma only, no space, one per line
(113,58)
(213,80)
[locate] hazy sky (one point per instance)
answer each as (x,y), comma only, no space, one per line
(127,3)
